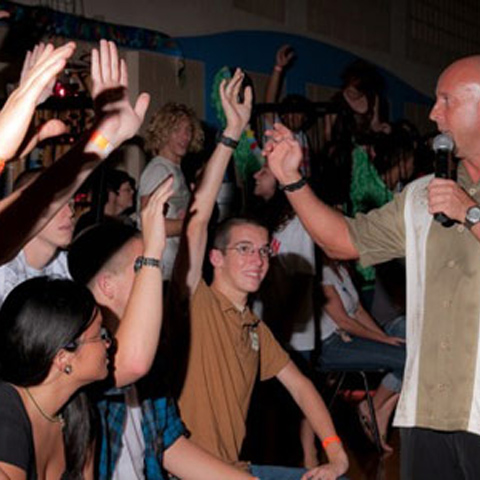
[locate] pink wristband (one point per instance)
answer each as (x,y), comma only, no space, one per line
(278,68)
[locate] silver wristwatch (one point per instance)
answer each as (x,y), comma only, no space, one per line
(473,216)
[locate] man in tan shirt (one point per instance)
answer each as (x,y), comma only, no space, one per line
(228,345)
(439,408)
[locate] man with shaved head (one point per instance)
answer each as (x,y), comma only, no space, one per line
(439,407)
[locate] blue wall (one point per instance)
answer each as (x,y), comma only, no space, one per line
(316,62)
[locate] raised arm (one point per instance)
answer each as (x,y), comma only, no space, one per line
(284,56)
(116,122)
(188,270)
(139,329)
(38,73)
(325,225)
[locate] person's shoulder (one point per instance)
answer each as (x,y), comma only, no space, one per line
(11,407)
(154,173)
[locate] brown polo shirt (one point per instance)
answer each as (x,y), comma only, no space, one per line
(228,349)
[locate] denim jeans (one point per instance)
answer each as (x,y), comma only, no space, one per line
(367,354)
(270,472)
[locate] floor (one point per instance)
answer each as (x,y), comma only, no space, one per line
(272,437)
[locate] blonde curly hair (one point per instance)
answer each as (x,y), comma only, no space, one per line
(164,122)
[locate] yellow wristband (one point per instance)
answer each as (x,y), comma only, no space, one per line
(327,441)
(101,142)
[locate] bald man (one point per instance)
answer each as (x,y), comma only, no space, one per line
(439,408)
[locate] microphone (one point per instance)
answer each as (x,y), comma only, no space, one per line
(443,146)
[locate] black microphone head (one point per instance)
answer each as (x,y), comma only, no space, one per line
(443,142)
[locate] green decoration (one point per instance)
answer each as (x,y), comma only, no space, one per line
(367,191)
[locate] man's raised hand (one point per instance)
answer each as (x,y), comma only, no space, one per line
(284,154)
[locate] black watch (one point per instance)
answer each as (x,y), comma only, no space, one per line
(141,262)
(473,216)
(292,187)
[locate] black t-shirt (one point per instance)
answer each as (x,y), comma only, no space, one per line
(16,438)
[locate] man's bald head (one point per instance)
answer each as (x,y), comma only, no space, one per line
(457,107)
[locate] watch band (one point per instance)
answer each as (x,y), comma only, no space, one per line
(228,142)
(291,187)
(141,262)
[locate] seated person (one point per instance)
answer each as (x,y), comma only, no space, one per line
(116,199)
(51,345)
(228,346)
(352,339)
(45,253)
(142,434)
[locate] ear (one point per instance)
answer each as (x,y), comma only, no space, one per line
(216,257)
(105,285)
(62,359)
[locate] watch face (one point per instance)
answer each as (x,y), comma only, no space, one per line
(473,214)
(138,264)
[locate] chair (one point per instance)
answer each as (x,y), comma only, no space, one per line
(342,374)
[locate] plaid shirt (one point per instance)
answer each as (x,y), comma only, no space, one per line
(161,427)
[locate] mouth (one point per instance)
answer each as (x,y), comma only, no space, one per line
(254,275)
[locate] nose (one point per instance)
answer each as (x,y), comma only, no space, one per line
(68,210)
(435,112)
(256,258)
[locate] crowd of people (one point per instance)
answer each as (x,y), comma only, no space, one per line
(121,358)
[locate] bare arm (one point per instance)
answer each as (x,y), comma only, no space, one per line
(284,56)
(314,409)
(188,270)
(11,472)
(173,226)
(117,121)
(17,113)
(139,331)
(187,461)
(334,307)
(325,225)
(363,317)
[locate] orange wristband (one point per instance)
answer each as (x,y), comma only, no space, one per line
(101,142)
(327,441)
(2,165)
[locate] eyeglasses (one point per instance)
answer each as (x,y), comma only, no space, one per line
(105,336)
(247,250)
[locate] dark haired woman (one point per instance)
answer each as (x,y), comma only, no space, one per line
(51,345)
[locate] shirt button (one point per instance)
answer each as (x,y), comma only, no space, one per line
(444,345)
(472,191)
(451,263)
(460,228)
(446,303)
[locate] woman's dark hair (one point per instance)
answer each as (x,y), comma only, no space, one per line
(275,212)
(39,318)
